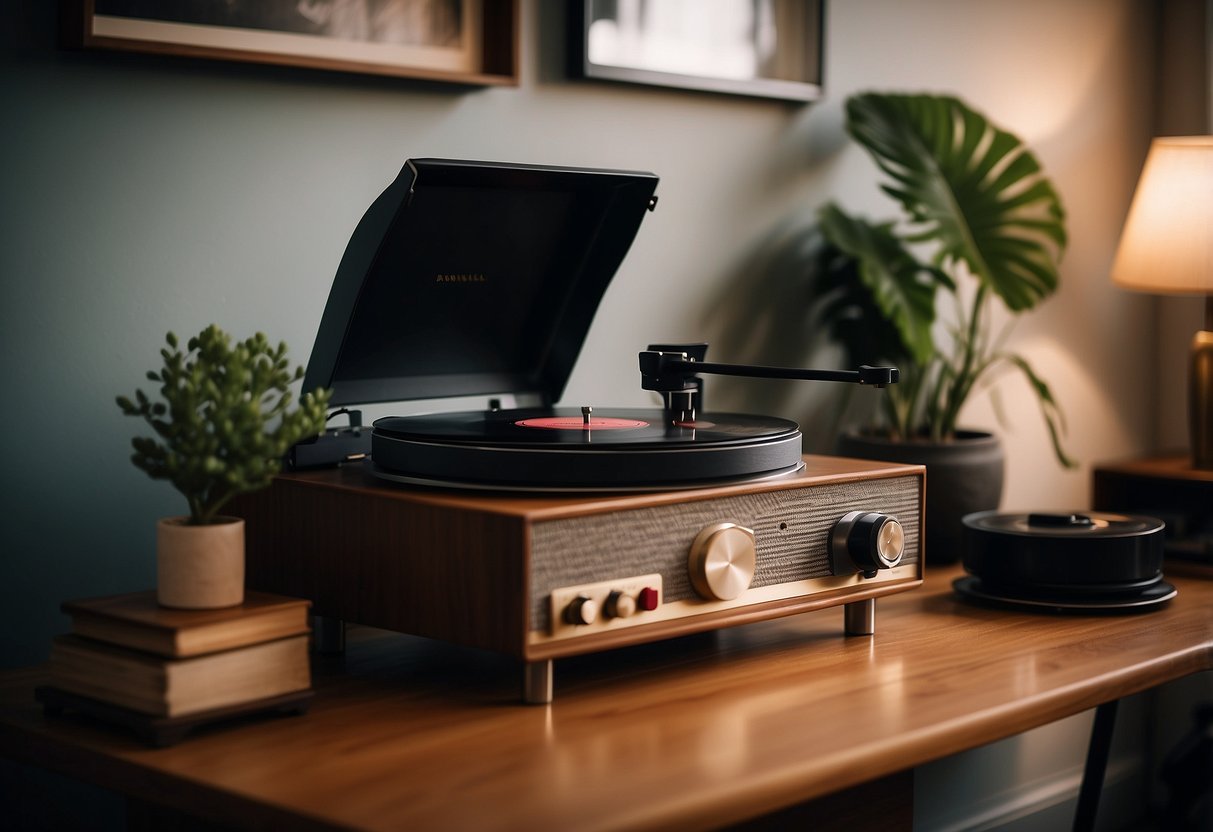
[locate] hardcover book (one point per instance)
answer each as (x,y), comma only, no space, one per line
(178,687)
(135,620)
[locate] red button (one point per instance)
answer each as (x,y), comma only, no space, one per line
(648,599)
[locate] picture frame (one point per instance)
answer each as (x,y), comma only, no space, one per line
(473,42)
(757,48)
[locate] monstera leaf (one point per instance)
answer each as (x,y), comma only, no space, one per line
(969,187)
(975,202)
(901,288)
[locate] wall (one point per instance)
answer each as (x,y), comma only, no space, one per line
(148,194)
(1183,108)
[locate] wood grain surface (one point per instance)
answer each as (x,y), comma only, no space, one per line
(695,732)
(454,565)
(1182,496)
(498,32)
(1171,466)
(357,479)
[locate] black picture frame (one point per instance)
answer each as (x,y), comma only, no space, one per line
(787,66)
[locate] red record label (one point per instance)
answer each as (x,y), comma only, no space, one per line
(579,423)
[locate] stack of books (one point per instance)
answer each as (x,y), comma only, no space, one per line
(129,654)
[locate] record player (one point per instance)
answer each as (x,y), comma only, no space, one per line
(542,531)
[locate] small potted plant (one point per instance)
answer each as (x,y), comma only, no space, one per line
(981,225)
(222,427)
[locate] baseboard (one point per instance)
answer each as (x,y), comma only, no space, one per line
(1037,805)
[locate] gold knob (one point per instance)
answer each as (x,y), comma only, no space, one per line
(722,561)
(890,543)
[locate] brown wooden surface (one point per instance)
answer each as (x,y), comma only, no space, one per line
(1169,487)
(1159,483)
(452,565)
(726,618)
(355,479)
(369,553)
(691,733)
(138,621)
(162,731)
(1169,466)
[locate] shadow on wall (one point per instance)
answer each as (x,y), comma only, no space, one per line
(765,315)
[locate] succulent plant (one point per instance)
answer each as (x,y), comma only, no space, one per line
(225,420)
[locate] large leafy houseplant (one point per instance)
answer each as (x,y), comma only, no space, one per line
(225,420)
(977,210)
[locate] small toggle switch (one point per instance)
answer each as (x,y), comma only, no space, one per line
(648,599)
(584,609)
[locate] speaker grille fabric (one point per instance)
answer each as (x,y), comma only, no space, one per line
(790,528)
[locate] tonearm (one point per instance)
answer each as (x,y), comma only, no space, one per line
(673,371)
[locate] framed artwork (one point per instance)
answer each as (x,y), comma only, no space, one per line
(463,41)
(764,48)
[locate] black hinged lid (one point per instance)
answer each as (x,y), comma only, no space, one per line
(467,278)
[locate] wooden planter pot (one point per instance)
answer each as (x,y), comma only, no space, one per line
(200,567)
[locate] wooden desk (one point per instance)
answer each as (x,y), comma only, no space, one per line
(695,732)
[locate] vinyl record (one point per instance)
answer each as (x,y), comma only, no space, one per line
(547,427)
(562,449)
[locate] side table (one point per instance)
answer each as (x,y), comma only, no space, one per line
(1167,487)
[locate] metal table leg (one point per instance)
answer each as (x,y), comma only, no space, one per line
(1097,764)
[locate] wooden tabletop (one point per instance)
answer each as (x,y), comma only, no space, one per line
(1175,466)
(699,731)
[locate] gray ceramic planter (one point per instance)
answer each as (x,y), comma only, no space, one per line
(963,475)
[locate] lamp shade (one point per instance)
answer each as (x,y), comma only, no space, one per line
(1167,243)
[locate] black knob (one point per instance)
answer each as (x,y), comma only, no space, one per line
(866,542)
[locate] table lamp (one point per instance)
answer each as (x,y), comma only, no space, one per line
(1167,248)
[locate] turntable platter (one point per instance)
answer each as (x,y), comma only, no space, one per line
(548,449)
